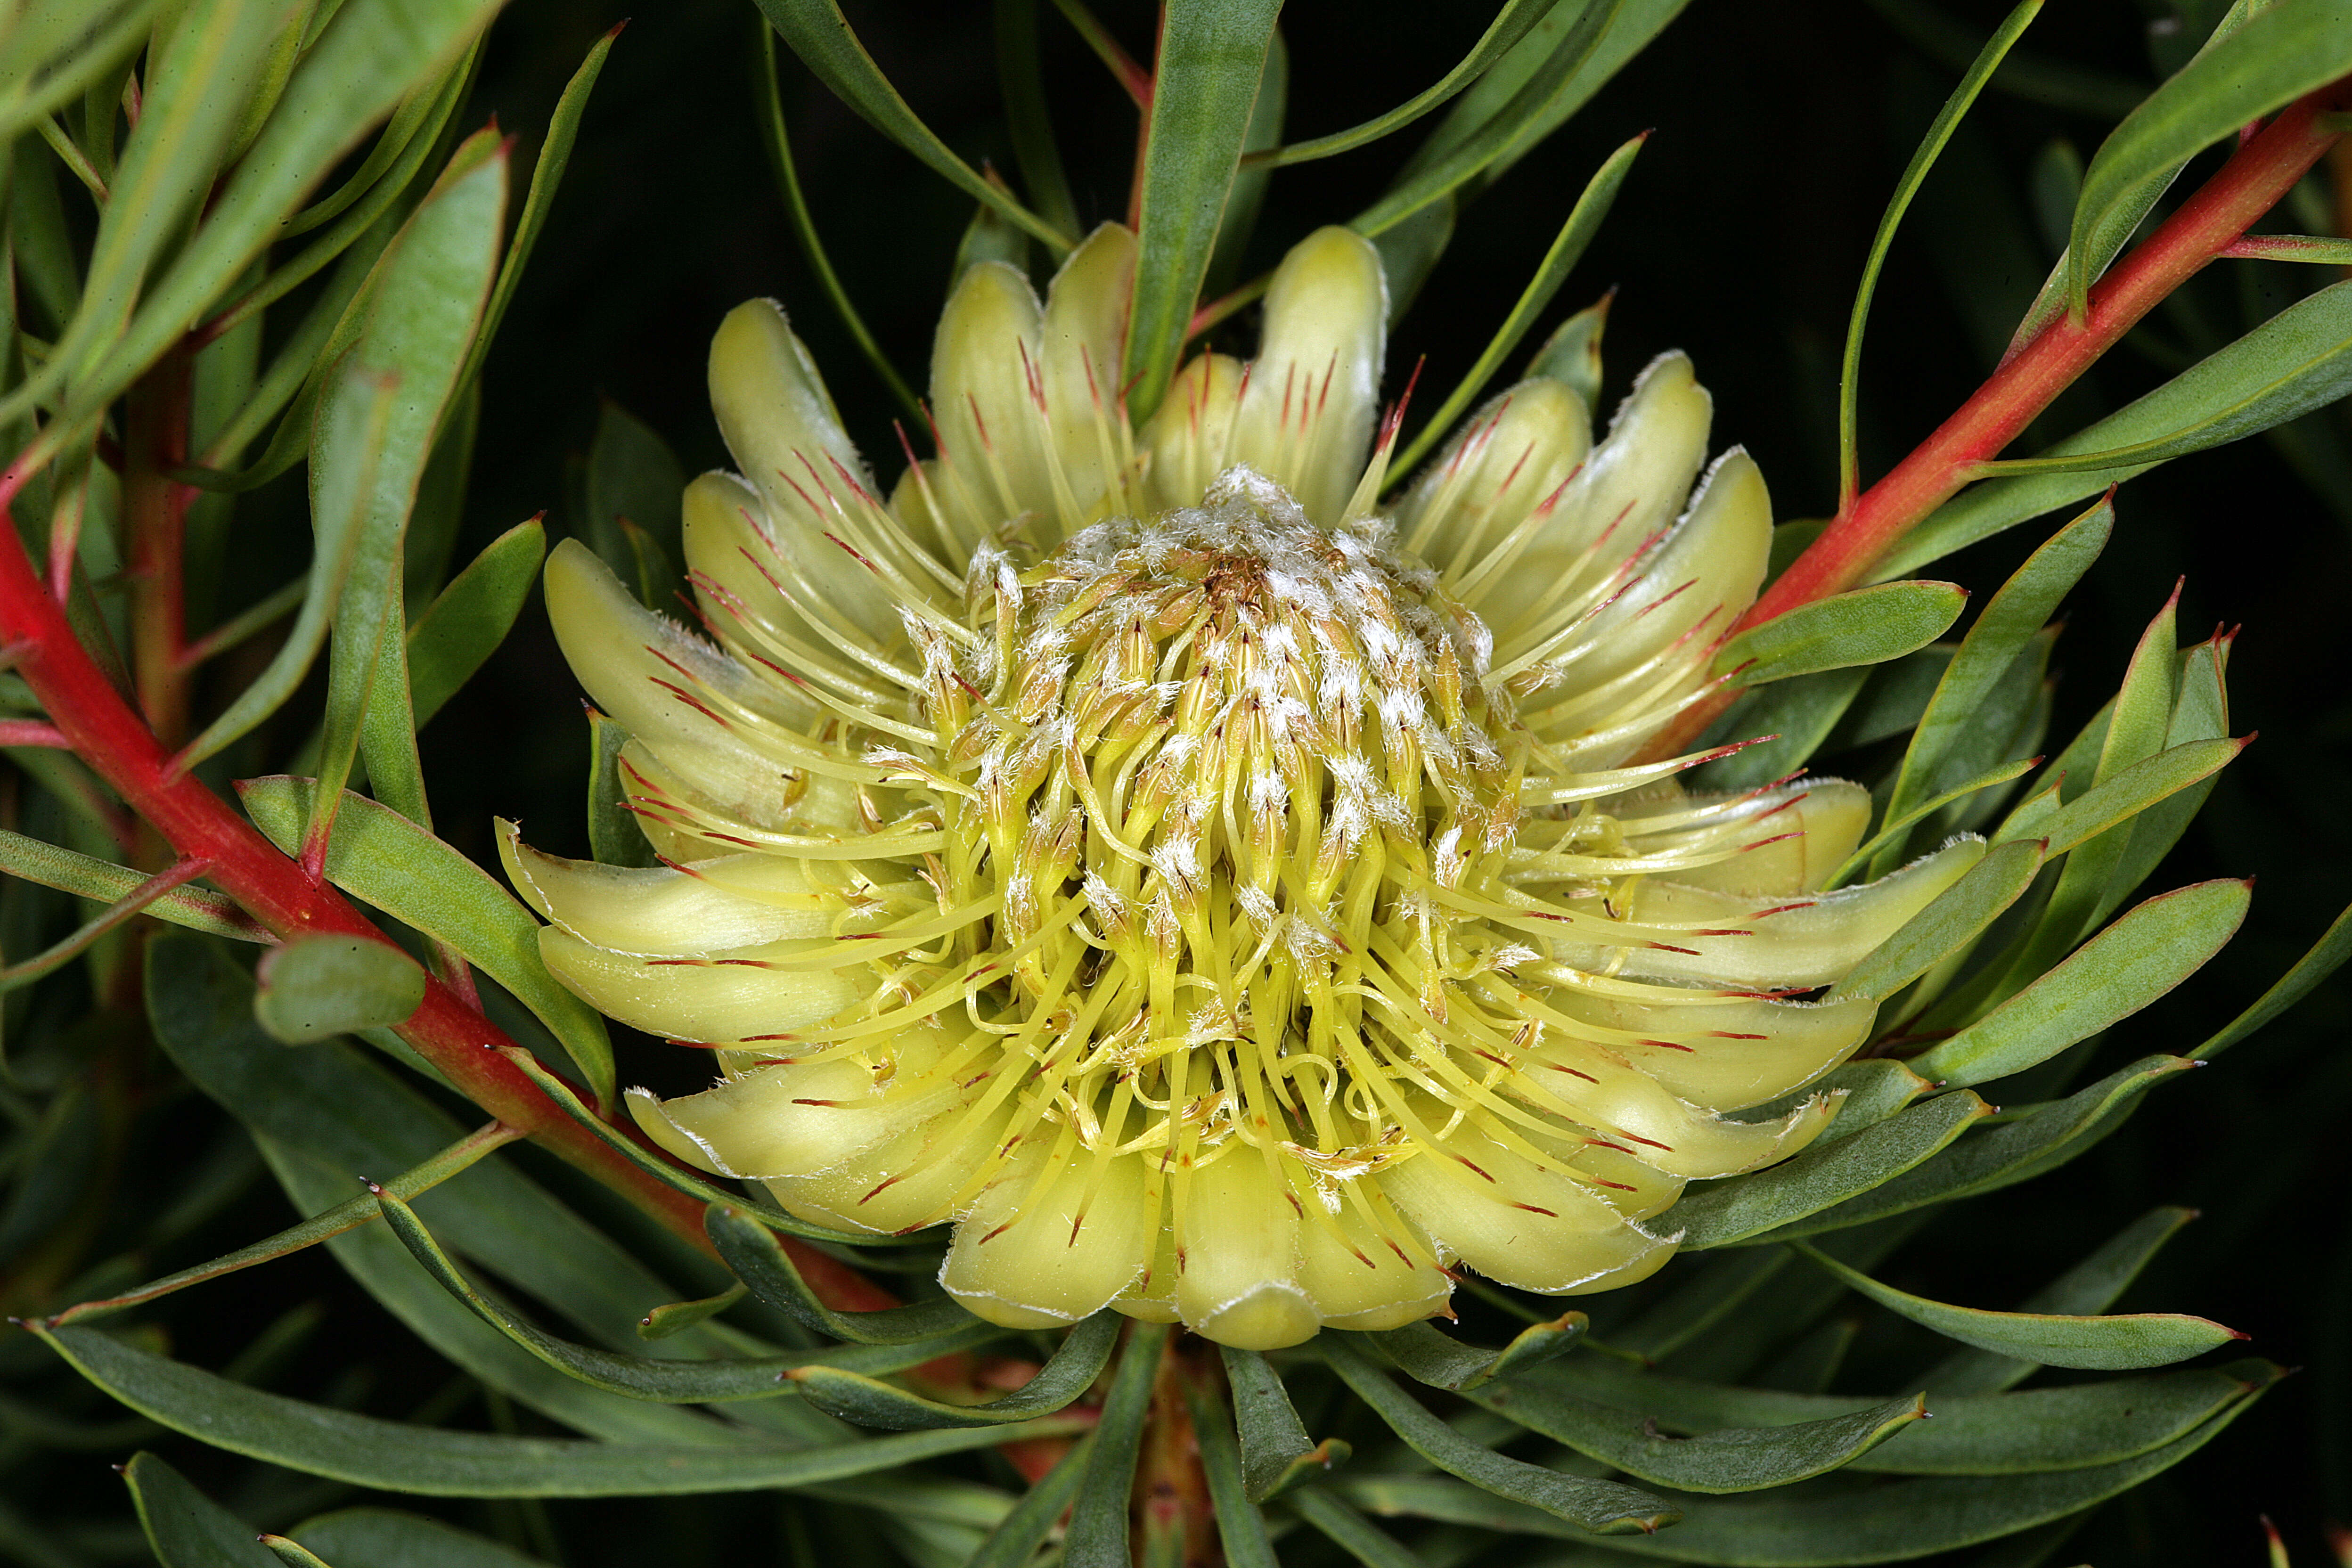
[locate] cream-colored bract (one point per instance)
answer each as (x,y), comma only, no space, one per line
(1223,900)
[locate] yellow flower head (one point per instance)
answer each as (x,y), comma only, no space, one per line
(1221,898)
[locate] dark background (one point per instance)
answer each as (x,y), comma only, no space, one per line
(1780,128)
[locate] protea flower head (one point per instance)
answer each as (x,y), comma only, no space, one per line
(1221,897)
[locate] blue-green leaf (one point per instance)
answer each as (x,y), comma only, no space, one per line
(1097,1536)
(386,1538)
(437,1462)
(187,1528)
(2124,1343)
(855,1395)
(470,617)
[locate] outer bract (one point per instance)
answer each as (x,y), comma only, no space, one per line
(1225,899)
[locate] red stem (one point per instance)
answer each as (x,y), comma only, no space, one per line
(2261,172)
(95,719)
(2257,175)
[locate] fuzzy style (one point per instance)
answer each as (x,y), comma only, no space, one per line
(1221,897)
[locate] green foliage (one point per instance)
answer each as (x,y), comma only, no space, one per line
(283,218)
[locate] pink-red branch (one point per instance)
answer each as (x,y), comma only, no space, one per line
(89,714)
(2264,167)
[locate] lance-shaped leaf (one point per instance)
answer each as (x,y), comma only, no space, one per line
(370,56)
(2072,1428)
(1240,1528)
(672,1382)
(613,837)
(2276,54)
(55,51)
(2020,1145)
(1798,715)
(1277,1455)
(397,1456)
(102,881)
(2299,360)
(387,1538)
(760,1261)
(1742,1208)
(2091,1286)
(1097,1535)
(1604,1508)
(2327,955)
(1865,626)
(676,1317)
(1204,82)
(1568,248)
(315,987)
(2124,1343)
(847,1390)
(470,617)
(2126,967)
(1911,1518)
(1359,1537)
(821,37)
(1016,1537)
(1952,920)
(2134,789)
(1427,1355)
(2021,608)
(383,859)
(187,1528)
(1725,1459)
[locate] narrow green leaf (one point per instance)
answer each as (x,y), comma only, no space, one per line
(371,55)
(2035,78)
(2090,1287)
(139,899)
(1953,920)
(1875,1089)
(1276,1454)
(674,1317)
(1865,626)
(1510,25)
(1800,714)
(2327,955)
(53,53)
(1568,248)
(1097,1535)
(821,36)
(840,1389)
(1023,79)
(2201,714)
(469,619)
(1992,1434)
(187,1528)
(2122,1343)
(546,174)
(2021,607)
(436,1462)
(1604,1508)
(1512,109)
(666,1381)
(386,1538)
(1016,1538)
(1891,839)
(1729,1459)
(2279,53)
(2134,789)
(1350,1532)
(384,860)
(2021,1144)
(1206,81)
(313,988)
(1912,1518)
(752,1250)
(2299,360)
(291,1553)
(1931,147)
(1240,1528)
(1742,1208)
(1424,1354)
(360,1210)
(2124,968)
